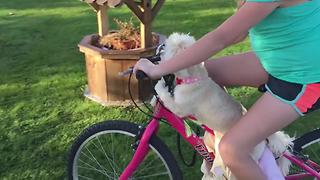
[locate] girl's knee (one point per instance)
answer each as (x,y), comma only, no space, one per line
(231,152)
(228,151)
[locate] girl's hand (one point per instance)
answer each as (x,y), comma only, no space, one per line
(147,67)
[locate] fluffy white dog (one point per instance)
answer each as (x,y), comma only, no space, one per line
(196,94)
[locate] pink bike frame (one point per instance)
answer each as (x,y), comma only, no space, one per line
(308,166)
(197,143)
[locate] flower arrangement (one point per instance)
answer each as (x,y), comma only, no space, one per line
(127,37)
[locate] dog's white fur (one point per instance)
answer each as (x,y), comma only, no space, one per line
(212,106)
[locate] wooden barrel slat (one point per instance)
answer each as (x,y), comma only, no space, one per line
(114,81)
(104,84)
(134,83)
(96,76)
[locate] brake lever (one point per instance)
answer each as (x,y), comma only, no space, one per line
(154,59)
(126,72)
(139,74)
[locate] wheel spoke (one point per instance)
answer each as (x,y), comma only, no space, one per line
(153,175)
(95,160)
(93,168)
(85,177)
(111,162)
(146,167)
(103,152)
(157,167)
(112,152)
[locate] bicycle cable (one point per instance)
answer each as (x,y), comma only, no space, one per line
(188,164)
(135,104)
(194,156)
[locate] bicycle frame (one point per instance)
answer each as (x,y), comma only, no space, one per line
(308,166)
(179,124)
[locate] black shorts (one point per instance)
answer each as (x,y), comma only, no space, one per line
(304,98)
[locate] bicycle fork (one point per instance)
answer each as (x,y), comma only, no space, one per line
(141,151)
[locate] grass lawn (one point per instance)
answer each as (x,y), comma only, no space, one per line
(42,79)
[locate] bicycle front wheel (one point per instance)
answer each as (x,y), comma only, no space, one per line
(308,147)
(104,150)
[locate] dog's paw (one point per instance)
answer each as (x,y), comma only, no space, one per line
(153,101)
(161,87)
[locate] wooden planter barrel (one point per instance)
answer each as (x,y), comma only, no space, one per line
(105,86)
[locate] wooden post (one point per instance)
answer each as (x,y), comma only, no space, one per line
(145,26)
(92,4)
(114,3)
(102,20)
(146,14)
(133,6)
(156,8)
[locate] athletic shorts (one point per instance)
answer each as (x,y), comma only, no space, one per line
(304,98)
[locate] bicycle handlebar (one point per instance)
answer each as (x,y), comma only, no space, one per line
(154,59)
(141,75)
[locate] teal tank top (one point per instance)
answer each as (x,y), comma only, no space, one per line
(287,42)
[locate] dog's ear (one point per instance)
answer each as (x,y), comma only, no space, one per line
(177,42)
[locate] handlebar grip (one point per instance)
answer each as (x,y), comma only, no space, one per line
(154,59)
(141,75)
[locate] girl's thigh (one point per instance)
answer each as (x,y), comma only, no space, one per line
(237,70)
(267,116)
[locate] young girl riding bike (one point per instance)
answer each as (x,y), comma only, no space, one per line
(285,37)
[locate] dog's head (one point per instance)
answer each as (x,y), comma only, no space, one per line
(176,43)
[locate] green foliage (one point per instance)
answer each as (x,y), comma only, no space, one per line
(42,79)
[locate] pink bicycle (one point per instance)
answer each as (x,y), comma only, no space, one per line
(116,149)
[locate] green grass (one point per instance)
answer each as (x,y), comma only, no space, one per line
(42,79)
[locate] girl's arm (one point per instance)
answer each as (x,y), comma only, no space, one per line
(240,38)
(227,33)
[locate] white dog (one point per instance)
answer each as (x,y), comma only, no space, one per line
(196,94)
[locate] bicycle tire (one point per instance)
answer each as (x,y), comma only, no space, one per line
(307,146)
(306,140)
(116,129)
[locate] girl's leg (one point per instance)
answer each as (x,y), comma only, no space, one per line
(237,70)
(265,117)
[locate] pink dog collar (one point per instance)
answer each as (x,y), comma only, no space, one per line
(187,80)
